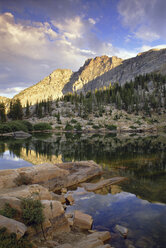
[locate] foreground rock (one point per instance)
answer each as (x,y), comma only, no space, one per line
(12,201)
(54,177)
(13,226)
(82,221)
(95,240)
(102,183)
(77,172)
(55,218)
(34,191)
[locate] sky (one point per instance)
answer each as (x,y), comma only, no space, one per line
(40,36)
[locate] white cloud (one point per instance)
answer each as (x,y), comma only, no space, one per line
(145,18)
(146,34)
(32,50)
(92,21)
(9,92)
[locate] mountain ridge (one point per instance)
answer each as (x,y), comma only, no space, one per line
(94,74)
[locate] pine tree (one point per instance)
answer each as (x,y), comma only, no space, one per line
(2,112)
(27,112)
(17,110)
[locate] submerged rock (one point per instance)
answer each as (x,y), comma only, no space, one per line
(122,230)
(102,183)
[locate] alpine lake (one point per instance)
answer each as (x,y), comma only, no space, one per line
(138,203)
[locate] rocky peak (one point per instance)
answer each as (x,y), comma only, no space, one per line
(95,73)
(92,69)
(50,86)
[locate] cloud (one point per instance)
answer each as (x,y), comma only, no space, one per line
(9,92)
(145,19)
(32,50)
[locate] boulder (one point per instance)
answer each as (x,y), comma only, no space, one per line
(102,183)
(13,226)
(77,172)
(55,216)
(82,221)
(28,191)
(54,177)
(103,236)
(69,200)
(57,197)
(12,201)
(43,173)
(7,178)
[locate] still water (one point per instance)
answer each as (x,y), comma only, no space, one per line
(138,203)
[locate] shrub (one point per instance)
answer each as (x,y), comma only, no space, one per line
(42,126)
(8,211)
(95,126)
(22,179)
(78,127)
(132,127)
(10,240)
(68,127)
(17,126)
(28,125)
(111,127)
(5,128)
(32,212)
(73,121)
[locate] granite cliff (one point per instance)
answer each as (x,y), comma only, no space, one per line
(94,74)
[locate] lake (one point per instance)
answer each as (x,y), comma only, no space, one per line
(138,203)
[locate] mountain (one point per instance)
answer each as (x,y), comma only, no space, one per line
(5,100)
(95,73)
(50,86)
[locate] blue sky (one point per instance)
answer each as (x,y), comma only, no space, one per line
(39,36)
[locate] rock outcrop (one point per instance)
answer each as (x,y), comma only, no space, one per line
(13,226)
(94,74)
(54,177)
(82,221)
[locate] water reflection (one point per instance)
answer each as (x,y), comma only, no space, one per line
(146,221)
(140,158)
(137,203)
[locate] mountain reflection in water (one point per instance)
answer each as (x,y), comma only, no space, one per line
(137,203)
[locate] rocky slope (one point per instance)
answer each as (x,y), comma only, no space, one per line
(95,73)
(50,86)
(5,100)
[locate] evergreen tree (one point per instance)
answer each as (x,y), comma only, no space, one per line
(2,112)
(27,112)
(16,112)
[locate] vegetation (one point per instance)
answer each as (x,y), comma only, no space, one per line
(23,179)
(2,112)
(111,127)
(15,111)
(32,213)
(42,126)
(10,240)
(146,94)
(68,127)
(14,126)
(27,112)
(8,211)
